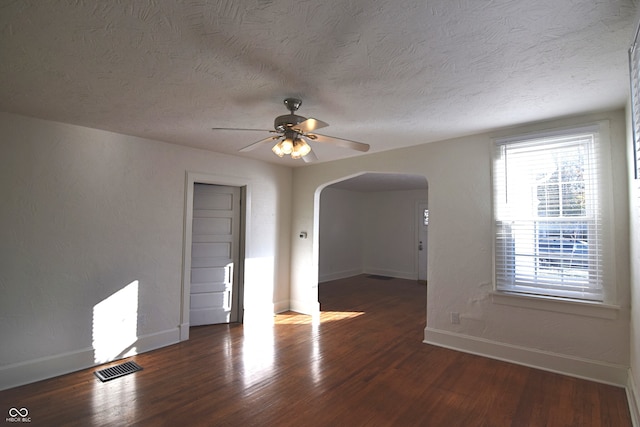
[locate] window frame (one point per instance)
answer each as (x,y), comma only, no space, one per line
(634,86)
(511,295)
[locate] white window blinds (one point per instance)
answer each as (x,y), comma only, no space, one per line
(547,213)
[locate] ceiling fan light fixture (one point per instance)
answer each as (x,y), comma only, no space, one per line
(293,133)
(302,147)
(277,149)
(296,148)
(287,146)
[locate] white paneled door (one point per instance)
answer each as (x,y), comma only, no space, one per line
(214,254)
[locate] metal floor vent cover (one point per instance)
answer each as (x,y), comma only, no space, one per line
(117,371)
(378,277)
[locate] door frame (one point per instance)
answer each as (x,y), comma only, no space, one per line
(420,205)
(191,179)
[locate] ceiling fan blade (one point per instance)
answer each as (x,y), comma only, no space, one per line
(340,142)
(309,125)
(258,143)
(256,130)
(310,157)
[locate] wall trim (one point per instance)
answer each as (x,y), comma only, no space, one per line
(192,178)
(184,331)
(593,370)
(558,305)
(409,275)
(305,307)
(21,373)
(261,314)
(339,275)
(281,306)
(632,399)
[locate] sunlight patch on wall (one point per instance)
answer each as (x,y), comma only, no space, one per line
(115,324)
(259,282)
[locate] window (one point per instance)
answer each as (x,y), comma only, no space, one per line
(547,213)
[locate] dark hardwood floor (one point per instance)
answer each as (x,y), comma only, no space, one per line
(364,364)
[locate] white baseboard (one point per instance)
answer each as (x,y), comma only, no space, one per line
(259,314)
(158,340)
(281,306)
(267,309)
(184,331)
(632,399)
(17,374)
(409,275)
(30,371)
(327,277)
(593,370)
(305,307)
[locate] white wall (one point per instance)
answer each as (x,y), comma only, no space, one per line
(460,258)
(372,232)
(86,212)
(390,237)
(342,225)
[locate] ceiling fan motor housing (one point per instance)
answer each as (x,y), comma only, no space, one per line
(282,123)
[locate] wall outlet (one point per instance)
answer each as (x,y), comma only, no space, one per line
(455,318)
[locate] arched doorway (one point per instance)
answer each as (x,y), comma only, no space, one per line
(372,223)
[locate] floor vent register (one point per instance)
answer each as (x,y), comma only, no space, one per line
(117,371)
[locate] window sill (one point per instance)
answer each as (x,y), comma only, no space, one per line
(558,305)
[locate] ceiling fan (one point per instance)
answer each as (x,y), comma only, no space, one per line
(293,134)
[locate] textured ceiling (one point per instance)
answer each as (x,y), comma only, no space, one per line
(372,181)
(388,73)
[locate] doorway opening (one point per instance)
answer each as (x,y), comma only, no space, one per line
(215,255)
(372,224)
(215,235)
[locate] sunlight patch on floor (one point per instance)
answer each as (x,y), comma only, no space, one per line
(258,354)
(291,318)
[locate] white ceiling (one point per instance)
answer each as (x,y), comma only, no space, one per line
(373,181)
(388,73)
